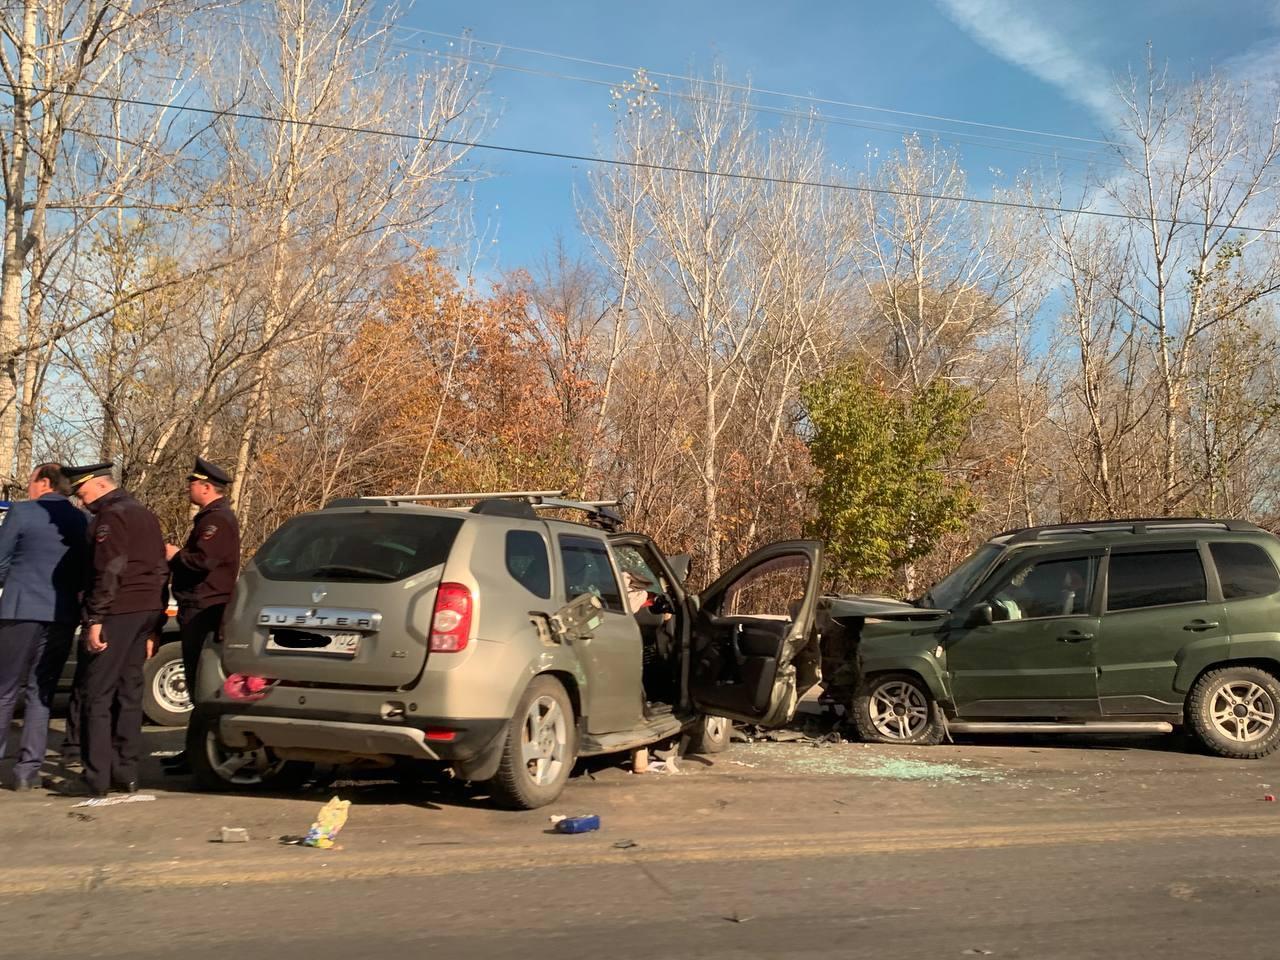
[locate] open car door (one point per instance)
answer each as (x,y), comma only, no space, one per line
(753,647)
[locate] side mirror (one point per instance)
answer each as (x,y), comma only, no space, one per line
(980,616)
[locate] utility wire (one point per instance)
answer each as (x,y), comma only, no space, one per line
(645,165)
(748,88)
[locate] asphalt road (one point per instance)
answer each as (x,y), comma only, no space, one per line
(1018,849)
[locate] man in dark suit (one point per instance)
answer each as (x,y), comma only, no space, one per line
(42,571)
(123,602)
(204,572)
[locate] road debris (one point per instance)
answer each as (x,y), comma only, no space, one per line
(663,766)
(115,801)
(1269,798)
(977,952)
(833,763)
(82,817)
(583,824)
(235,835)
(740,763)
(738,918)
(625,845)
(330,820)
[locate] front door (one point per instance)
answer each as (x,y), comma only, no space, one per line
(1034,660)
(1158,603)
(752,644)
(611,655)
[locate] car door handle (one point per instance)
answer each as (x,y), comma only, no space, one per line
(1075,636)
(1197,625)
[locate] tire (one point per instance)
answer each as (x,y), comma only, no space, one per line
(216,768)
(709,735)
(897,708)
(540,749)
(1215,706)
(166,699)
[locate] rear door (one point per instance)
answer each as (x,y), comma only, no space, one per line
(753,650)
(1159,601)
(1035,660)
(612,654)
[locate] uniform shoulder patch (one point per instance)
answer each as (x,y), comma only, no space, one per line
(208,532)
(101,533)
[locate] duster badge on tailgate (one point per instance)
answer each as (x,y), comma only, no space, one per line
(319,617)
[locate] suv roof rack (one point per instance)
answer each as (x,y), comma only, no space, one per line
(1135,526)
(511,503)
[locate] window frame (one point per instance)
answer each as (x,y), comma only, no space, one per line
(1213,562)
(546,552)
(613,567)
(1004,572)
(1213,591)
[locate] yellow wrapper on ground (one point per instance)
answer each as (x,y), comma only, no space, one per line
(328,822)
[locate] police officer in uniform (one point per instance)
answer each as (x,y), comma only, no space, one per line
(123,602)
(204,571)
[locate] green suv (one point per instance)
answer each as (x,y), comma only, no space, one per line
(1125,626)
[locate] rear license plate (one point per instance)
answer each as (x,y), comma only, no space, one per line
(325,644)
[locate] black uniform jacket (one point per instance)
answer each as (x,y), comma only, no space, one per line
(127,572)
(205,569)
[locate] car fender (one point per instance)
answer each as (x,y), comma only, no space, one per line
(925,664)
(557,659)
(1194,658)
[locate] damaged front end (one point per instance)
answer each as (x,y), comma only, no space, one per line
(845,622)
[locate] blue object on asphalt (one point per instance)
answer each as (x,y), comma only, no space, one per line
(578,824)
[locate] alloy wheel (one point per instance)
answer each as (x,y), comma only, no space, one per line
(899,710)
(1242,711)
(544,740)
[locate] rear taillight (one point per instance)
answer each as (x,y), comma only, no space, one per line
(451,620)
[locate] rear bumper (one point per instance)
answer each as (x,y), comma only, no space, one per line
(347,736)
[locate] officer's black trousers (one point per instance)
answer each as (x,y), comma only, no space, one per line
(111,700)
(199,627)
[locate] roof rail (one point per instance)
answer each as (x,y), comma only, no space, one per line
(1135,526)
(448,497)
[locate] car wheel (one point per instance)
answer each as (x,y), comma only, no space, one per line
(218,767)
(540,748)
(897,708)
(166,700)
(709,735)
(1232,712)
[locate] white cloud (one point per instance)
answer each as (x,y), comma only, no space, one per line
(1010,31)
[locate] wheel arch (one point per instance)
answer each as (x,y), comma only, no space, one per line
(1260,663)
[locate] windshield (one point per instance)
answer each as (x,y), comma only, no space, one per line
(951,589)
(356,547)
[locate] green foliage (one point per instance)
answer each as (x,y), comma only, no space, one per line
(883,499)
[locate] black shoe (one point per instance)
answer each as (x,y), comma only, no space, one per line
(77,788)
(177,760)
(124,786)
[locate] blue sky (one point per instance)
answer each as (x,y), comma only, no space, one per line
(1035,64)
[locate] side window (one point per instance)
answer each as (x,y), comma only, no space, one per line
(527,562)
(774,590)
(587,570)
(1155,579)
(1244,569)
(1047,588)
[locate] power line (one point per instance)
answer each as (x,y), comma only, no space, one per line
(1086,156)
(645,165)
(748,88)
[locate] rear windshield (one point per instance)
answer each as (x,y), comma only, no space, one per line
(356,547)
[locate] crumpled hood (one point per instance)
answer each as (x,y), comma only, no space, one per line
(871,607)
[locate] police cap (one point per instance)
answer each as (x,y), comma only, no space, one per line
(78,475)
(209,472)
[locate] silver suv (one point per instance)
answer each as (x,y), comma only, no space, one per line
(495,640)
